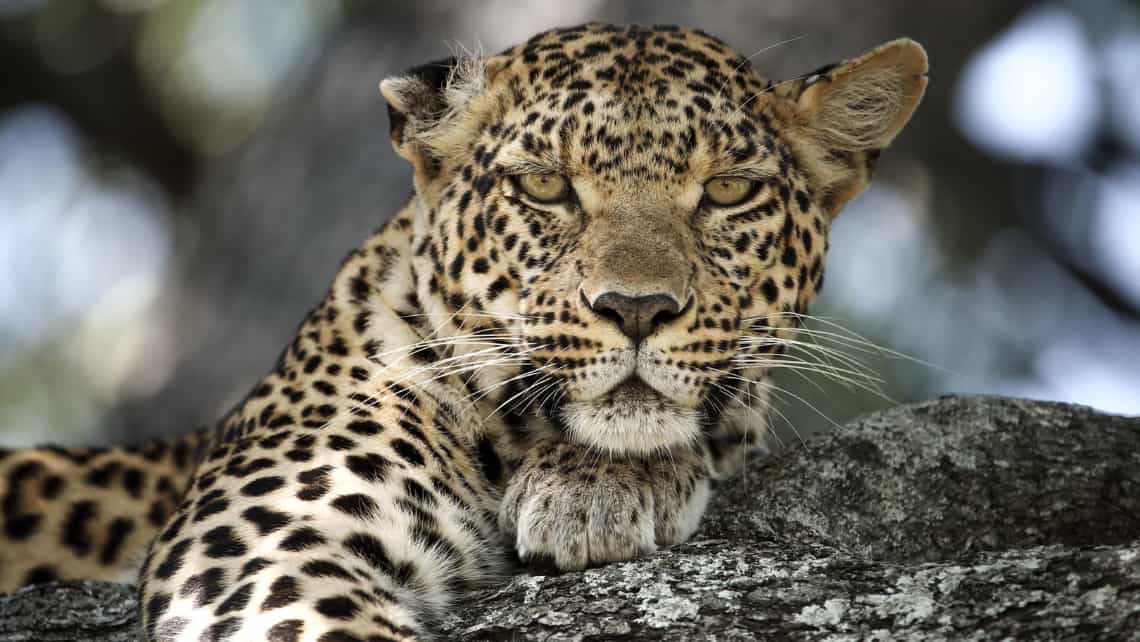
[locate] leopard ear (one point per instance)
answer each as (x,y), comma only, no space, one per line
(417,101)
(846,113)
(863,103)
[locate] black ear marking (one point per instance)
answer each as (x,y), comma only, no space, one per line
(819,73)
(427,96)
(396,122)
(435,73)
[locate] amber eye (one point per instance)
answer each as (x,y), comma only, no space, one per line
(728,190)
(544,188)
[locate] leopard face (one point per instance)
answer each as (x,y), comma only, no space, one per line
(620,225)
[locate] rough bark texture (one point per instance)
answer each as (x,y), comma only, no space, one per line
(959,518)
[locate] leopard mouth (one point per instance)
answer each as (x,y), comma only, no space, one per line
(631,418)
(633,391)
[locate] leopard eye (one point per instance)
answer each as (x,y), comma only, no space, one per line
(544,188)
(728,190)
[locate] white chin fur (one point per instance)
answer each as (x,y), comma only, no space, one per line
(630,428)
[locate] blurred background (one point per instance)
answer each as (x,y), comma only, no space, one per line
(179,180)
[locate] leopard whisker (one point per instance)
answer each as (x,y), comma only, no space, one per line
(836,365)
(831,355)
(472,367)
(767,90)
(804,369)
(403,378)
(545,381)
(806,356)
(459,369)
(850,384)
(768,407)
(542,379)
(795,370)
(748,59)
(844,335)
(495,315)
(522,375)
(749,394)
(779,389)
(836,372)
(435,343)
(456,365)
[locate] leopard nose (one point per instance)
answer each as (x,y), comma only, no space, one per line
(637,316)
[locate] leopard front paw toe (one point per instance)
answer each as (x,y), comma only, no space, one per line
(568,511)
(569,524)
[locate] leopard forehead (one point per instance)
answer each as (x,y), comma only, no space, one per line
(650,103)
(638,64)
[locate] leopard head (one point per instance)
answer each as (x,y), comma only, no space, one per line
(633,219)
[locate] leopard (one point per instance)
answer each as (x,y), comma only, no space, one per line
(546,357)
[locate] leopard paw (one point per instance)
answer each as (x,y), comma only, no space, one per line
(569,509)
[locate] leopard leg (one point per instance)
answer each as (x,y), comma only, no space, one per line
(364,528)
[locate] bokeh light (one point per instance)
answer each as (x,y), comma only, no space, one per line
(216,65)
(1031,93)
(84,257)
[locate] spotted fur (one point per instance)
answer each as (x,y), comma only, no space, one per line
(489,370)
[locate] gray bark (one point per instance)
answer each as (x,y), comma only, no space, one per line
(958,518)
(95,611)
